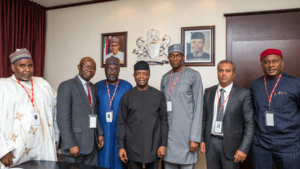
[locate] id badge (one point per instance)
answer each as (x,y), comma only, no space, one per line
(169,106)
(109,116)
(93,121)
(218,127)
(36,119)
(269,118)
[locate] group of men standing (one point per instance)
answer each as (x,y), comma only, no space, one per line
(141,125)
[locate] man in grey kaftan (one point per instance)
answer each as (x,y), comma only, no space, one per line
(185,118)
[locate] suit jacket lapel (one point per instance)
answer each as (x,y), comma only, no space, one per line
(212,101)
(231,99)
(82,91)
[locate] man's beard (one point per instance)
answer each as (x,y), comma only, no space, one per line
(23,78)
(112,79)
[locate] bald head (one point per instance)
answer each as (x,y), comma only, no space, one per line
(87,68)
(87,59)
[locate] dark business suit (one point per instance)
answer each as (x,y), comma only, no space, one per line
(73,110)
(238,126)
(280,143)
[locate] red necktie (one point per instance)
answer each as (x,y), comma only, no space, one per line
(89,95)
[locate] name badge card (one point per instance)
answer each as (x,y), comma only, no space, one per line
(93,121)
(109,116)
(218,127)
(269,118)
(169,106)
(36,119)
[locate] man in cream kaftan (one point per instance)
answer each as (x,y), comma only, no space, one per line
(17,135)
(24,100)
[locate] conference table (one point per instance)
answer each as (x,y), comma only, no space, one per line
(54,165)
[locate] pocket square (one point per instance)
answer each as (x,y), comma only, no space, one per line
(282,93)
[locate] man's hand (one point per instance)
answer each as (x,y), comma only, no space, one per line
(7,159)
(161,152)
(239,156)
(193,146)
(123,155)
(74,151)
(202,148)
(100,141)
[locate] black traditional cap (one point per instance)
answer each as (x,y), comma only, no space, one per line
(141,65)
(198,35)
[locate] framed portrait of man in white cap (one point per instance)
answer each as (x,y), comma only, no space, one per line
(114,45)
(198,45)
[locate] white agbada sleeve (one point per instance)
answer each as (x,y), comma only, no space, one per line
(5,122)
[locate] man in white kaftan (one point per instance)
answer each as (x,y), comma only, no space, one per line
(18,100)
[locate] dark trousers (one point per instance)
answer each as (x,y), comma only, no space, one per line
(90,159)
(216,158)
(263,158)
(138,165)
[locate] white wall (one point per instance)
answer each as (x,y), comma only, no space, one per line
(75,32)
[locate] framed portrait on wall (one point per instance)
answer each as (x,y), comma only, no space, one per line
(114,45)
(198,45)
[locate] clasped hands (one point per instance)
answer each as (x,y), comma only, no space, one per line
(238,157)
(161,152)
(74,151)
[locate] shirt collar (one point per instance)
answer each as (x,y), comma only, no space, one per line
(82,80)
(227,89)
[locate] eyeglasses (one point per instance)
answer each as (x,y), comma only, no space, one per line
(86,67)
(111,70)
(114,45)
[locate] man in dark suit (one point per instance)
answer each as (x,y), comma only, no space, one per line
(80,129)
(228,124)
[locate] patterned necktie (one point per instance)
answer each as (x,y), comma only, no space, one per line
(221,101)
(89,95)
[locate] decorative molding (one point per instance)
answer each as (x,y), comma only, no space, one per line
(77,4)
(262,12)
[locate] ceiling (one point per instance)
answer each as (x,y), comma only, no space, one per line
(60,3)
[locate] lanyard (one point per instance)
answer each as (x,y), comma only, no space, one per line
(219,100)
(30,98)
(111,99)
(270,97)
(171,88)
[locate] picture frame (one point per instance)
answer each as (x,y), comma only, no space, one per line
(198,45)
(115,49)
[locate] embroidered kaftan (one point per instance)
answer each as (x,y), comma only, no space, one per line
(17,134)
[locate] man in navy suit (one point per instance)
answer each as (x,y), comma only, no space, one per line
(276,98)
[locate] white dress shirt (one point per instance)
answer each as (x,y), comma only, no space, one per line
(227,91)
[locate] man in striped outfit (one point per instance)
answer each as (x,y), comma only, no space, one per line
(277,115)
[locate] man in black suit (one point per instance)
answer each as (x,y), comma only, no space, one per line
(228,123)
(80,129)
